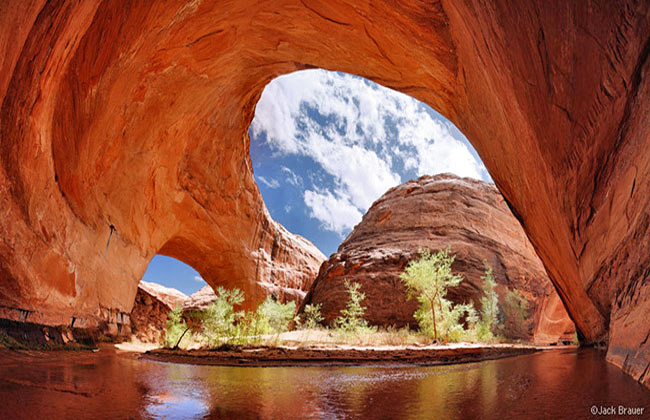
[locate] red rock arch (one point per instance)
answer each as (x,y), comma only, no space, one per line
(135,115)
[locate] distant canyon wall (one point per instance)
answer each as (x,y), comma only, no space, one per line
(467,216)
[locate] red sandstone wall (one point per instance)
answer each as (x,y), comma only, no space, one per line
(466,215)
(135,115)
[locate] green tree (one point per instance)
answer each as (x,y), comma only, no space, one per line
(429,278)
(351,318)
(271,317)
(515,313)
(220,317)
(489,306)
(176,328)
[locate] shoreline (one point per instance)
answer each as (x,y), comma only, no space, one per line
(342,355)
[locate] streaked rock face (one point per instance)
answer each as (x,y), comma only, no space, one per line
(200,300)
(152,305)
(468,216)
(136,117)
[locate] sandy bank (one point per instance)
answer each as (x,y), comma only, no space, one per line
(341,355)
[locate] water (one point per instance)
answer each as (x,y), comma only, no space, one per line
(561,384)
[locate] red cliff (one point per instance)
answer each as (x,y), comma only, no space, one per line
(136,117)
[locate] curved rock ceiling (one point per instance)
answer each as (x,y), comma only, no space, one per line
(135,116)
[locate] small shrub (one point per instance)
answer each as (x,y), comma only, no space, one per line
(351,318)
(176,328)
(515,313)
(449,317)
(276,315)
(249,328)
(271,317)
(488,324)
(312,316)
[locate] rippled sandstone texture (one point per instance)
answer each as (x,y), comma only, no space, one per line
(468,216)
(136,116)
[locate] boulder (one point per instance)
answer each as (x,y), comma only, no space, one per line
(153,302)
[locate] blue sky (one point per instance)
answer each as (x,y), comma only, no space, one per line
(325,145)
(173,273)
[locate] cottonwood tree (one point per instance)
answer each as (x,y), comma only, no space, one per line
(312,316)
(176,328)
(489,306)
(351,318)
(429,278)
(219,318)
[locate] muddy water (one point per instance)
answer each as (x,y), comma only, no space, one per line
(560,384)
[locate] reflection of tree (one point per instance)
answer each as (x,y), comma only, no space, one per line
(449,390)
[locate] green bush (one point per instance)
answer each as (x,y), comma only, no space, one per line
(515,313)
(176,328)
(488,324)
(311,316)
(448,320)
(220,317)
(351,318)
(276,315)
(222,325)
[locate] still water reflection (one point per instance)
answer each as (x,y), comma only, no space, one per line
(561,384)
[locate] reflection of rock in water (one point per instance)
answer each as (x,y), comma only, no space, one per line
(517,385)
(117,385)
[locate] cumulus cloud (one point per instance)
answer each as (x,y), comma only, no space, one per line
(336,213)
(364,136)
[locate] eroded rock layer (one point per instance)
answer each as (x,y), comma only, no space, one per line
(468,216)
(136,117)
(151,308)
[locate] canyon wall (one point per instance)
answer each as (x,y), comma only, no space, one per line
(466,215)
(129,121)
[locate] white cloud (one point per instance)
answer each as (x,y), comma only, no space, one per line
(291,177)
(436,150)
(336,213)
(199,279)
(359,133)
(271,183)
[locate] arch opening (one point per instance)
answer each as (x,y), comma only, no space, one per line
(166,284)
(327,145)
(173,273)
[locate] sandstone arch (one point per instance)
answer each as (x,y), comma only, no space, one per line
(135,115)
